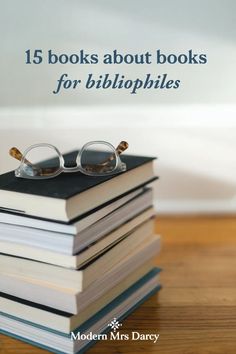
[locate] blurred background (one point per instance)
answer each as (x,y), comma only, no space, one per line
(192,130)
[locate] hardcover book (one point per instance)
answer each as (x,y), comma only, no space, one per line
(70,299)
(70,195)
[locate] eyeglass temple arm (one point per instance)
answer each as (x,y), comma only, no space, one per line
(14,152)
(123,145)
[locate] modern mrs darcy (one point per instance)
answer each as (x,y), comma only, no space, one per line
(115,336)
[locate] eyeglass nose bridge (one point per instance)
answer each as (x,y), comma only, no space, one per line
(71,169)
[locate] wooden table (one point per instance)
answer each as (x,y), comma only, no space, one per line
(195,312)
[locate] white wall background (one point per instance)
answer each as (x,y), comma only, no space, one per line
(206,26)
(192,130)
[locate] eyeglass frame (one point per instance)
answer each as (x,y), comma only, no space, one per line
(120,166)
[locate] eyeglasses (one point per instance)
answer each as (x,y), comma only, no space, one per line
(96,158)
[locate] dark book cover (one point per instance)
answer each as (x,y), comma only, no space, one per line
(66,185)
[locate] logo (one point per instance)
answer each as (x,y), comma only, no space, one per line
(115,334)
(114,324)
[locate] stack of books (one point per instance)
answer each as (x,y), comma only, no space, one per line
(76,252)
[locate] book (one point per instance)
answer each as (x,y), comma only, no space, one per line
(15,267)
(79,259)
(69,299)
(70,195)
(58,342)
(63,321)
(72,227)
(72,244)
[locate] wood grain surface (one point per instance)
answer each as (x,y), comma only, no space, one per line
(195,312)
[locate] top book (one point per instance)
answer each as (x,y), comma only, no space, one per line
(68,196)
